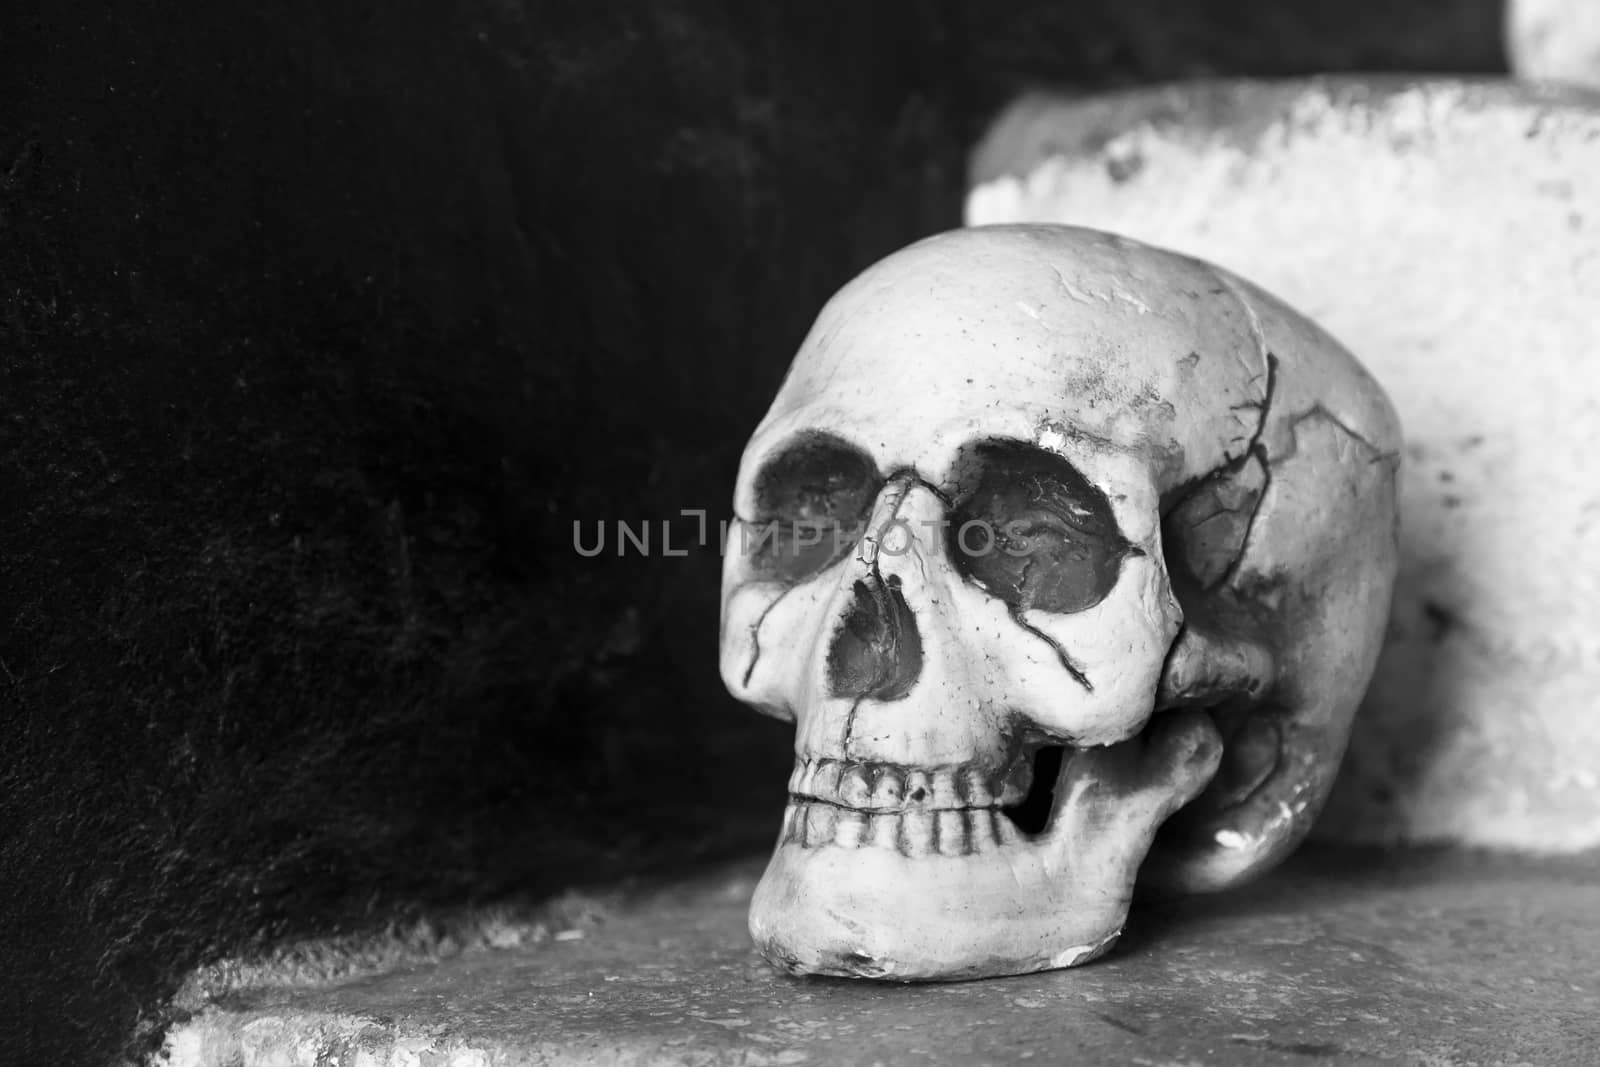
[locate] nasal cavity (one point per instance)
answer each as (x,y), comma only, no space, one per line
(877,652)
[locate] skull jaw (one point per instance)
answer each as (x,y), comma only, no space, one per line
(880,914)
(877,905)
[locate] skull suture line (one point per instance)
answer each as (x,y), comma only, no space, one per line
(1047,535)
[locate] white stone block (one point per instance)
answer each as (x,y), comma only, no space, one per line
(1449,234)
(1555,40)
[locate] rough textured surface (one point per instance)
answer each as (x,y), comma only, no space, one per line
(320,323)
(1426,959)
(1555,40)
(1449,234)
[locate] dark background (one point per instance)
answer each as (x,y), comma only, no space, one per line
(321,323)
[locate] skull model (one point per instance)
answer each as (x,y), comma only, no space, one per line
(1048,535)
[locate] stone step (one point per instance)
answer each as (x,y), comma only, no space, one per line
(1424,957)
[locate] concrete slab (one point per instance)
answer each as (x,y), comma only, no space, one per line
(1427,958)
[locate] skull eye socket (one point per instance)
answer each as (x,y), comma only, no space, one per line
(813,500)
(1031,530)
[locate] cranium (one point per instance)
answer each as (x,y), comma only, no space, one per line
(1047,536)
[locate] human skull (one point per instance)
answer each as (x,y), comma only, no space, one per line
(1048,535)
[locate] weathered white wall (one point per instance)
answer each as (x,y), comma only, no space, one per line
(1449,234)
(1555,40)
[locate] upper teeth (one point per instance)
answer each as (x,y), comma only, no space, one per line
(889,787)
(812,824)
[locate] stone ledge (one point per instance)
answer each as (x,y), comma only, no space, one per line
(1428,958)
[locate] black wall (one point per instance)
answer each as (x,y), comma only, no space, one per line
(321,323)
